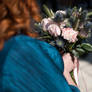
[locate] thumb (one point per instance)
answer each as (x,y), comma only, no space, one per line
(75,62)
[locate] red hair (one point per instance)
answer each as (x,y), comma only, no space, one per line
(15,15)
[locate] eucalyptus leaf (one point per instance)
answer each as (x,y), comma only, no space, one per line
(80,9)
(78,46)
(80,50)
(52,43)
(75,53)
(89,14)
(75,9)
(52,13)
(87,46)
(72,75)
(47,11)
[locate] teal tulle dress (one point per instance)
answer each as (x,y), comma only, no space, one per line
(30,65)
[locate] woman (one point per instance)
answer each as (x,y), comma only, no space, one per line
(27,64)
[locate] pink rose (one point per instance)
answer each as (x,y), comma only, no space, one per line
(54,30)
(69,34)
(45,22)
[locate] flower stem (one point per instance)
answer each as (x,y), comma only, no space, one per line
(44,37)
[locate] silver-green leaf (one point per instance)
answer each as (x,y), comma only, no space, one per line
(75,53)
(80,50)
(87,46)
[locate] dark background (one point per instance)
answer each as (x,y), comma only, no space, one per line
(59,4)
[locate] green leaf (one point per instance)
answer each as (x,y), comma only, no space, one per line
(87,46)
(47,11)
(78,46)
(75,53)
(72,75)
(80,51)
(52,43)
(89,14)
(74,9)
(80,9)
(52,13)
(45,37)
(38,26)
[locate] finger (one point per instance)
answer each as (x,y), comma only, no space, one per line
(75,61)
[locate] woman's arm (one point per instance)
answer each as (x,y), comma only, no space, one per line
(69,65)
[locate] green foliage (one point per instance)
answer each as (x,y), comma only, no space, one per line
(89,14)
(80,51)
(72,75)
(48,11)
(75,53)
(87,47)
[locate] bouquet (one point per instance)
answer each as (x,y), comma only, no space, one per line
(67,30)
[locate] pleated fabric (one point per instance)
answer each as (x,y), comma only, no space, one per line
(31,65)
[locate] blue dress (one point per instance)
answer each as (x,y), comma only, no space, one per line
(30,65)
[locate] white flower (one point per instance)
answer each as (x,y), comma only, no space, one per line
(45,22)
(69,34)
(54,30)
(61,11)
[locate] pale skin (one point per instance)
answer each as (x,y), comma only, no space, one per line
(69,65)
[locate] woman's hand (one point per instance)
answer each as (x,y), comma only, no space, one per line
(69,65)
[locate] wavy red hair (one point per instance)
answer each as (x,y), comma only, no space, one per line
(15,17)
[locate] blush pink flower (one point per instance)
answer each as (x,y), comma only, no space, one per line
(45,22)
(69,34)
(54,30)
